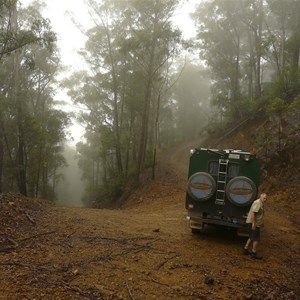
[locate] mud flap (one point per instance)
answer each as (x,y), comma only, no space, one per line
(196,227)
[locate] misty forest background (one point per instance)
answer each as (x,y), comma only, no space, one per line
(144,88)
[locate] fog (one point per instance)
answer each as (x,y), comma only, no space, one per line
(70,187)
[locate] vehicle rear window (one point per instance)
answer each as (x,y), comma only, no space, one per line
(232,170)
(213,167)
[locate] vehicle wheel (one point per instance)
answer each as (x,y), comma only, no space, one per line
(196,231)
(242,232)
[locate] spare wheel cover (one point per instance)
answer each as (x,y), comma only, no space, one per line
(201,186)
(241,190)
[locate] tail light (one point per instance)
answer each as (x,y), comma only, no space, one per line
(190,206)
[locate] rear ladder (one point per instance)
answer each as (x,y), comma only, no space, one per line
(221,183)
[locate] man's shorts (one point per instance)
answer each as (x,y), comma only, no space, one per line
(254,235)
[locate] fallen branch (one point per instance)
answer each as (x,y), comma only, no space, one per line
(164,262)
(29,218)
(129,292)
(155,281)
(90,294)
(15,244)
(37,235)
(72,288)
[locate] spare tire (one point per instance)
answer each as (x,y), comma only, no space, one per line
(241,191)
(201,186)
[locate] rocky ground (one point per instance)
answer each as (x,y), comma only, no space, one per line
(144,250)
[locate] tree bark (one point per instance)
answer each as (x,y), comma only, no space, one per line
(115,104)
(1,151)
(21,139)
(146,111)
(145,119)
(258,51)
(156,134)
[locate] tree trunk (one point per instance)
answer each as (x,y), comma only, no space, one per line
(1,151)
(146,111)
(237,75)
(145,118)
(54,180)
(156,135)
(130,141)
(258,52)
(21,139)
(251,67)
(39,166)
(296,39)
(44,180)
(115,105)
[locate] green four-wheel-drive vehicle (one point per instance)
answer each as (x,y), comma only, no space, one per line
(221,187)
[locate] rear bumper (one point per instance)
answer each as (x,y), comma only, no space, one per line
(197,222)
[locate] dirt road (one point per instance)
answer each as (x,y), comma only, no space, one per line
(144,250)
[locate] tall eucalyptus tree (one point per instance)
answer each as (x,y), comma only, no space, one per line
(284,33)
(31,128)
(152,44)
(127,50)
(220,40)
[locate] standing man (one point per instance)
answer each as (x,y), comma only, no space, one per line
(255,221)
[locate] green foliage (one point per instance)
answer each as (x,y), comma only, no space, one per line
(295,105)
(35,29)
(264,140)
(115,187)
(128,53)
(277,105)
(149,158)
(27,115)
(259,35)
